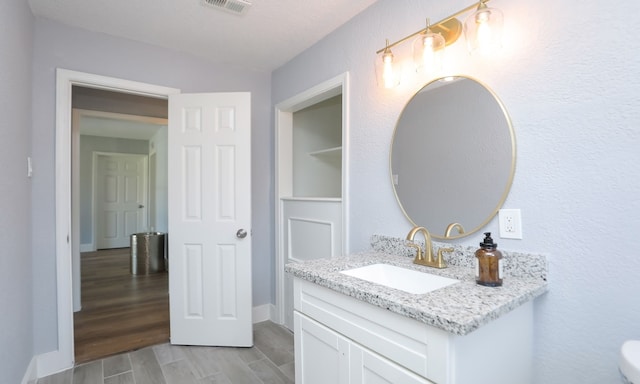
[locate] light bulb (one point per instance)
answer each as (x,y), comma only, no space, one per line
(428,42)
(483,30)
(388,77)
(427,51)
(428,56)
(483,36)
(483,16)
(386,74)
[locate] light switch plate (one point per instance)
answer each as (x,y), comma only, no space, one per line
(510,223)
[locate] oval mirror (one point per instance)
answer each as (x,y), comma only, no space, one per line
(452,157)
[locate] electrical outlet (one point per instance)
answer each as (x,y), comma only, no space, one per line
(510,223)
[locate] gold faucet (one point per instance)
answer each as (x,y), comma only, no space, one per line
(426,258)
(450,227)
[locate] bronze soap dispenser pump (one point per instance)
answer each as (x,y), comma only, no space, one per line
(488,263)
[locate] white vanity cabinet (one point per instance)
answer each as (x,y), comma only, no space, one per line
(339,339)
(324,356)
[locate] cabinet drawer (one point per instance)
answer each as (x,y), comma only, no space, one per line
(411,344)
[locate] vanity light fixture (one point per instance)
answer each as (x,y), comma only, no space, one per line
(387,73)
(482,30)
(427,50)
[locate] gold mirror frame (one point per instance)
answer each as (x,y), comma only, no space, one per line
(461,160)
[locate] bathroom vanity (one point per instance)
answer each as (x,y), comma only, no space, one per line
(348,330)
(351,329)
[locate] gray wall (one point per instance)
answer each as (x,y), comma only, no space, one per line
(59,46)
(159,144)
(89,144)
(16,321)
(573,95)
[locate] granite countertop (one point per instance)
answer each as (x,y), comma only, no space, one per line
(459,308)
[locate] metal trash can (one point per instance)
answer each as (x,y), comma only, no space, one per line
(148,253)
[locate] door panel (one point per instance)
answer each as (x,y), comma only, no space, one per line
(368,367)
(209,266)
(121,198)
(321,354)
(309,230)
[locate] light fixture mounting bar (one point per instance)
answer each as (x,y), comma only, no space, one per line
(435,26)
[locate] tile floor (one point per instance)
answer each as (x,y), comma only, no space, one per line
(269,361)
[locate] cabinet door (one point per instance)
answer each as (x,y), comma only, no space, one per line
(370,368)
(322,355)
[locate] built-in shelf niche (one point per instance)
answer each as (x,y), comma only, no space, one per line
(311,181)
(317,150)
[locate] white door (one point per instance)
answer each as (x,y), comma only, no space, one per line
(121,198)
(209,219)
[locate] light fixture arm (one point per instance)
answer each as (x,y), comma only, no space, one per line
(423,30)
(386,49)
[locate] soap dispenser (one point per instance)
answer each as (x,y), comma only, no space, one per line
(488,263)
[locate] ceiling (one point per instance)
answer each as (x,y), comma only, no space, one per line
(118,115)
(115,125)
(266,36)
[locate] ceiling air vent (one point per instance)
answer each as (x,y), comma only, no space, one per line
(238,7)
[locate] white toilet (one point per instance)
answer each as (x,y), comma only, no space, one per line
(630,362)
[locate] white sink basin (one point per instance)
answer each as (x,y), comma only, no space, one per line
(407,280)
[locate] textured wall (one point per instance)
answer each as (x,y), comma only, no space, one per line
(16,321)
(59,46)
(568,77)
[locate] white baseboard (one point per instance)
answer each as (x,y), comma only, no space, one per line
(263,313)
(87,248)
(52,362)
(32,372)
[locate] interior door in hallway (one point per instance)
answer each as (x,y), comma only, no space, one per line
(209,219)
(121,198)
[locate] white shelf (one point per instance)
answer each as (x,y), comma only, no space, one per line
(316,199)
(335,151)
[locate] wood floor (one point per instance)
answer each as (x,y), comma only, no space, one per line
(120,312)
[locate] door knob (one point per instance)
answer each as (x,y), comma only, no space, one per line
(140,206)
(241,234)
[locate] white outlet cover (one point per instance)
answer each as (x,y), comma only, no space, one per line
(510,223)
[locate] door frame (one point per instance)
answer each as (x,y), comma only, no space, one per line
(94,189)
(283,136)
(67,227)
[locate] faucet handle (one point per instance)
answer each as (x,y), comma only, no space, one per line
(418,249)
(440,261)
